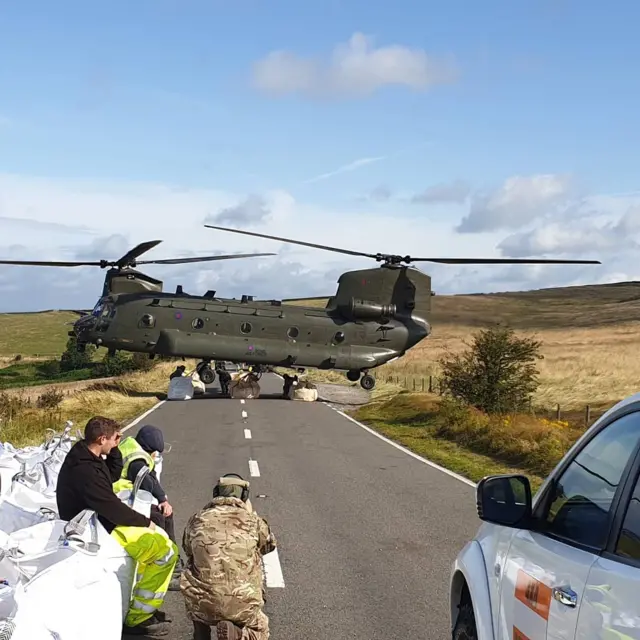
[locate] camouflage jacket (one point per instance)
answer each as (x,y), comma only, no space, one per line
(223,544)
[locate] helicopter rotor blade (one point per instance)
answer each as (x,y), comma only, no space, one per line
(129,258)
(499,261)
(300,242)
(397,259)
(44,263)
(205,258)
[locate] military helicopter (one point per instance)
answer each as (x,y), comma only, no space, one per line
(375,316)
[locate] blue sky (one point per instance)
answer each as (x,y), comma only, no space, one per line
(164,92)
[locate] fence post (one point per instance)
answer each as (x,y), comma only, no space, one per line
(422,385)
(414,384)
(430,384)
(558,412)
(587,415)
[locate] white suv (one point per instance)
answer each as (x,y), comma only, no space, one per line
(566,564)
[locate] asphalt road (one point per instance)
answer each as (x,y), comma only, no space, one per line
(366,532)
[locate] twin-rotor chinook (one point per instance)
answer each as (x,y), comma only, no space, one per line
(374,317)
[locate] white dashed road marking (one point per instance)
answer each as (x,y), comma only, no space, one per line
(273,570)
(247,434)
(254,469)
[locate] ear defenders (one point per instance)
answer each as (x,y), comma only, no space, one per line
(235,480)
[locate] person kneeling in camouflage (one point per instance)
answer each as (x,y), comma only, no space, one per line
(223,581)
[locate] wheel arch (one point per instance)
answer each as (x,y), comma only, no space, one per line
(469,583)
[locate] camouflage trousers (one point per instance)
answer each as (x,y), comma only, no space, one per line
(212,608)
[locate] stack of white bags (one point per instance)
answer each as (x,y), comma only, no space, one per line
(53,573)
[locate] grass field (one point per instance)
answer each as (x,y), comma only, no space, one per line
(34,334)
(27,374)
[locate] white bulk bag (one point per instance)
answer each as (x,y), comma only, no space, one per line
(9,466)
(142,501)
(70,564)
(65,565)
(303,393)
(180,388)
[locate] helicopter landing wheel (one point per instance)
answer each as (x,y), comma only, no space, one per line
(367,382)
(353,375)
(206,374)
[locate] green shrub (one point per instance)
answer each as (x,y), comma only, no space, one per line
(496,374)
(73,359)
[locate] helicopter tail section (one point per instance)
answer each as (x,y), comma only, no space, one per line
(387,292)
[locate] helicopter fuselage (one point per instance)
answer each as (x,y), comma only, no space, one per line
(268,333)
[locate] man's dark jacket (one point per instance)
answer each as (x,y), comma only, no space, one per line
(86,482)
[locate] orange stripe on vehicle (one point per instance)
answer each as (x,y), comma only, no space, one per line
(534,594)
(518,635)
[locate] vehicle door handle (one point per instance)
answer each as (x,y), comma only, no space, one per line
(566,596)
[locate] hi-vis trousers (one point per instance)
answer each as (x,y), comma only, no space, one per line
(156,556)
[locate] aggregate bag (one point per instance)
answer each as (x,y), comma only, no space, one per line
(180,388)
(303,393)
(198,386)
(244,389)
(51,565)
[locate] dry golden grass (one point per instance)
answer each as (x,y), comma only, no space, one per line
(581,366)
(121,399)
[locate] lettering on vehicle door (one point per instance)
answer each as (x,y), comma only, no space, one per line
(531,607)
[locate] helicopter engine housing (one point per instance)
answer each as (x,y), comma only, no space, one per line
(359,309)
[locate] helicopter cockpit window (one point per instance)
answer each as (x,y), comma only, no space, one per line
(339,336)
(245,327)
(198,323)
(293,332)
(147,320)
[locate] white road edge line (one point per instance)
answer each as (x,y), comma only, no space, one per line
(143,416)
(273,570)
(254,469)
(407,451)
(247,434)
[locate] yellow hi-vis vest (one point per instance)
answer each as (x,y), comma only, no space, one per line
(131,451)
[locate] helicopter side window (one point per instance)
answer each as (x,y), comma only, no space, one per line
(198,323)
(245,327)
(339,336)
(293,332)
(147,320)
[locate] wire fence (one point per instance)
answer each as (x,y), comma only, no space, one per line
(586,415)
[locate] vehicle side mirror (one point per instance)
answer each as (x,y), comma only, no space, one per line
(505,500)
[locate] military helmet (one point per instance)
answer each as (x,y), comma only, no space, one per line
(232,485)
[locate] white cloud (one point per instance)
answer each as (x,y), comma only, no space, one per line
(519,200)
(354,69)
(115,216)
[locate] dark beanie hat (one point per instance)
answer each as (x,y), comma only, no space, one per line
(150,439)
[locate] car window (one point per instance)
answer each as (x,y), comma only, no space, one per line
(580,505)
(628,544)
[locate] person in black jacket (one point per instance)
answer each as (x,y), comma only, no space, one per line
(86,482)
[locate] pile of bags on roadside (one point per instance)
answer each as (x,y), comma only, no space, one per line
(244,385)
(53,572)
